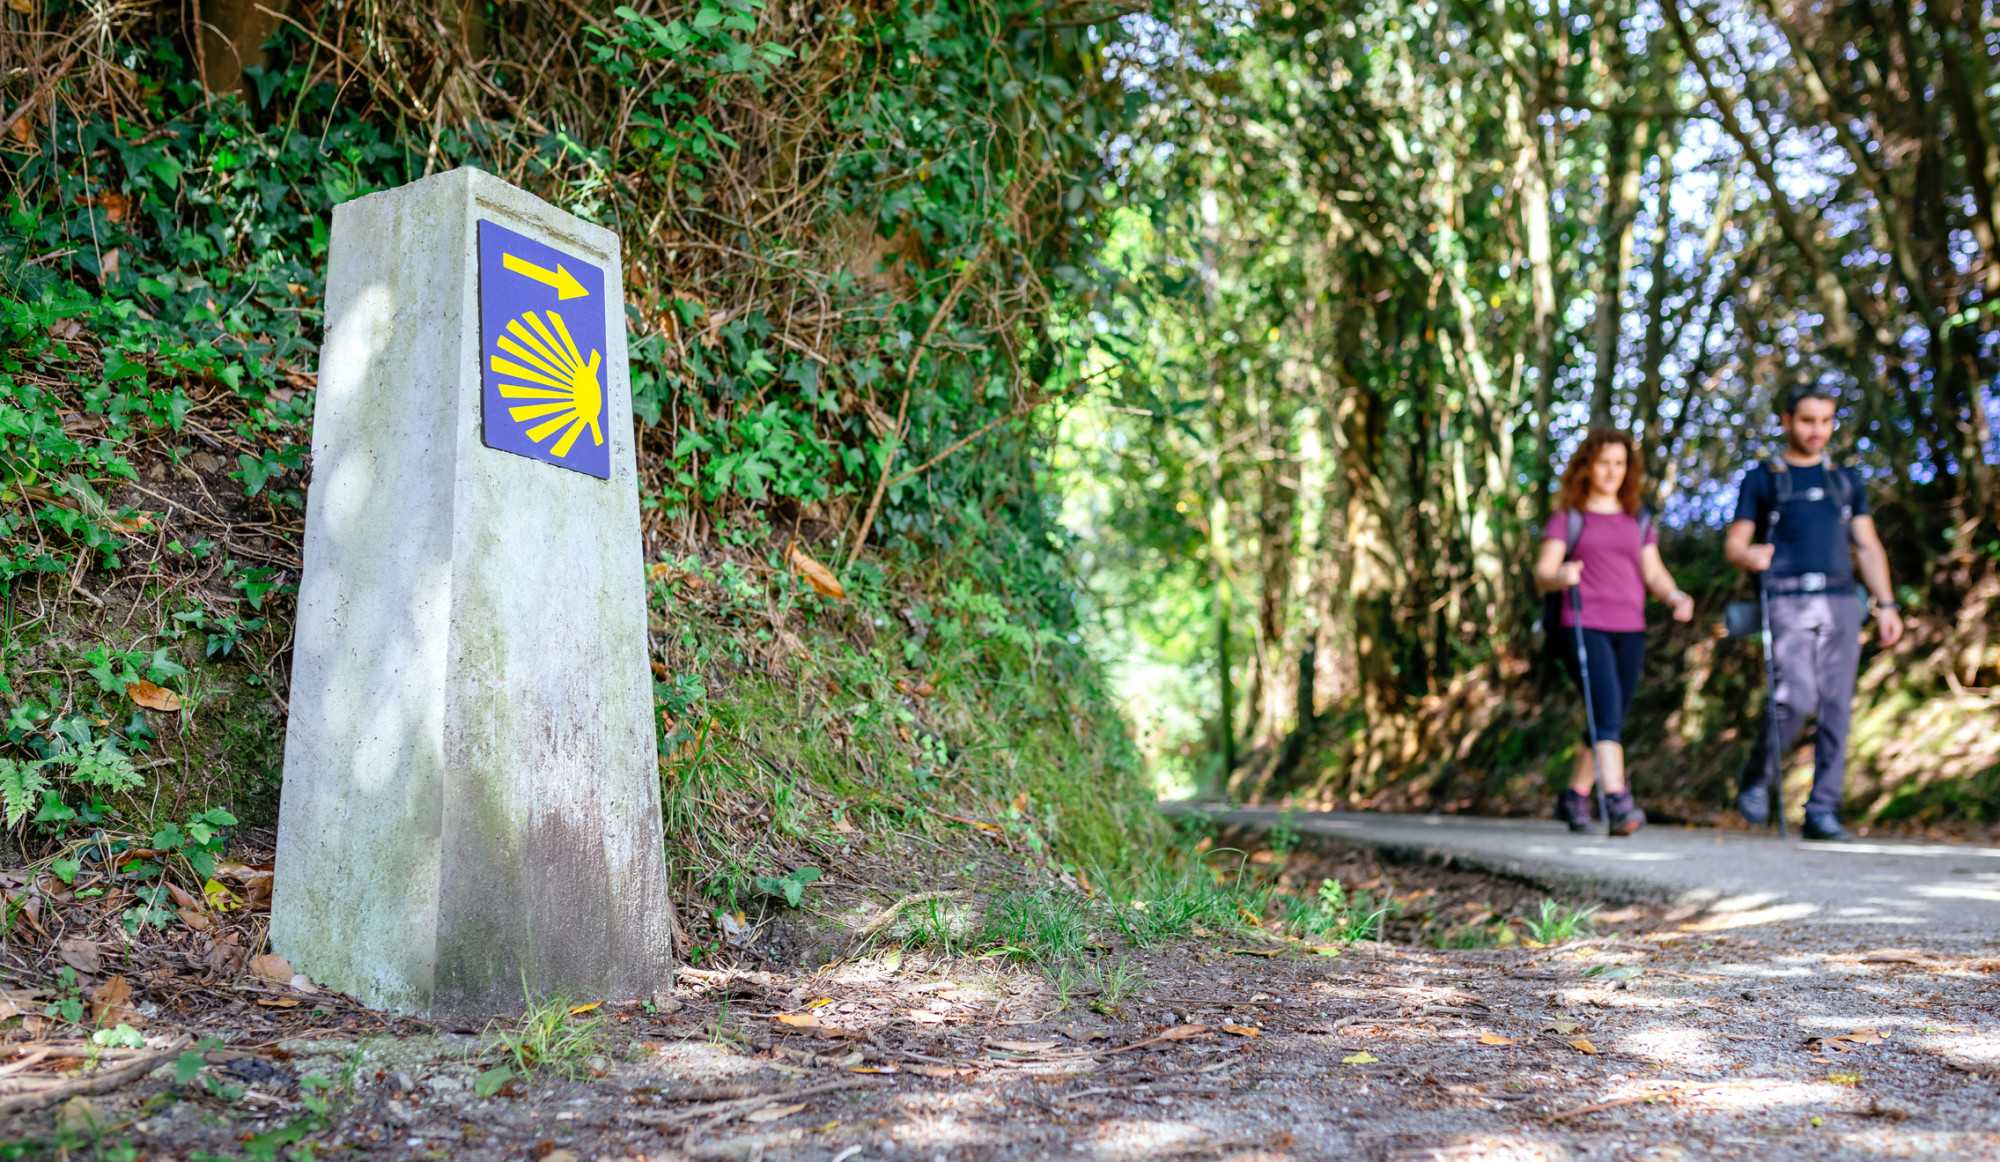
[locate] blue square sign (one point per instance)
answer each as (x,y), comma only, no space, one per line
(541,352)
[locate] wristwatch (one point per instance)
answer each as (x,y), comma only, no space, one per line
(1879,606)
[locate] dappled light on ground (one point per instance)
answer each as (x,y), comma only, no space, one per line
(1777,1039)
(1137,1139)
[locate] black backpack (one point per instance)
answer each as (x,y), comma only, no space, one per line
(1552,603)
(1837,483)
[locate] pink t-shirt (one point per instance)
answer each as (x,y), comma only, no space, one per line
(1614,589)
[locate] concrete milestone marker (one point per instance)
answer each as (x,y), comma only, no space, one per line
(471,800)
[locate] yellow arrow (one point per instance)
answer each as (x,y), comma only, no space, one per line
(560,278)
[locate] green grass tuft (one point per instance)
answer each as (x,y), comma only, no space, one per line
(1558,924)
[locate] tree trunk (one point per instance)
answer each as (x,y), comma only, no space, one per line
(1627,152)
(229,36)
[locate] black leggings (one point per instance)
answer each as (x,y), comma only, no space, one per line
(1615,659)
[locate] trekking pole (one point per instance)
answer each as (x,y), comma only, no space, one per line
(1589,707)
(1774,763)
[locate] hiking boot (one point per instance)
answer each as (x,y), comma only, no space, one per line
(1625,814)
(1824,827)
(1574,809)
(1754,804)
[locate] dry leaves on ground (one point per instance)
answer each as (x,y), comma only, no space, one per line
(818,576)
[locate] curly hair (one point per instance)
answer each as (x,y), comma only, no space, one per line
(1576,478)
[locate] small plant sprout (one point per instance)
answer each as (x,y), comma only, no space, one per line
(1558,924)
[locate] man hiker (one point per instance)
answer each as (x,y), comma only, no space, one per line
(1796,517)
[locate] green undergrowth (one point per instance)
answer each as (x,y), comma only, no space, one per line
(1190,891)
(161,274)
(804,736)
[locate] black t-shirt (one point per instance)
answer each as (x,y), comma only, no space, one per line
(1808,535)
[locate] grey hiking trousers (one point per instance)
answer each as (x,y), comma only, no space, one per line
(1815,651)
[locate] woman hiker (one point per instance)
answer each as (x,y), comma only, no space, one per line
(1600,546)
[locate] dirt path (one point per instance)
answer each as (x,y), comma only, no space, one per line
(1673,1033)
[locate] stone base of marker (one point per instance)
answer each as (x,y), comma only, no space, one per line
(471,797)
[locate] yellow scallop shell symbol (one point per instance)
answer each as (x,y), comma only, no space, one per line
(544,354)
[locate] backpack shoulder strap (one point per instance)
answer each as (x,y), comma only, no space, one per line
(1645,519)
(1781,481)
(1781,494)
(1574,519)
(1841,487)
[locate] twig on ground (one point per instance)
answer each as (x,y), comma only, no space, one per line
(101,1082)
(887,916)
(715,1113)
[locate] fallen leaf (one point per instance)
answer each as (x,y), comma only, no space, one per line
(273,968)
(773,1113)
(107,268)
(81,955)
(18,1003)
(492,1081)
(111,1003)
(813,1024)
(1850,1080)
(1614,972)
(1022,1046)
(219,897)
(925,1017)
(280,1002)
(1184,1032)
(580,1010)
(1583,1045)
(1242,1030)
(198,921)
(1564,1027)
(816,575)
(1846,1042)
(1362,1058)
(138,523)
(153,697)
(939,1071)
(1494,1039)
(226,958)
(872,1069)
(29,909)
